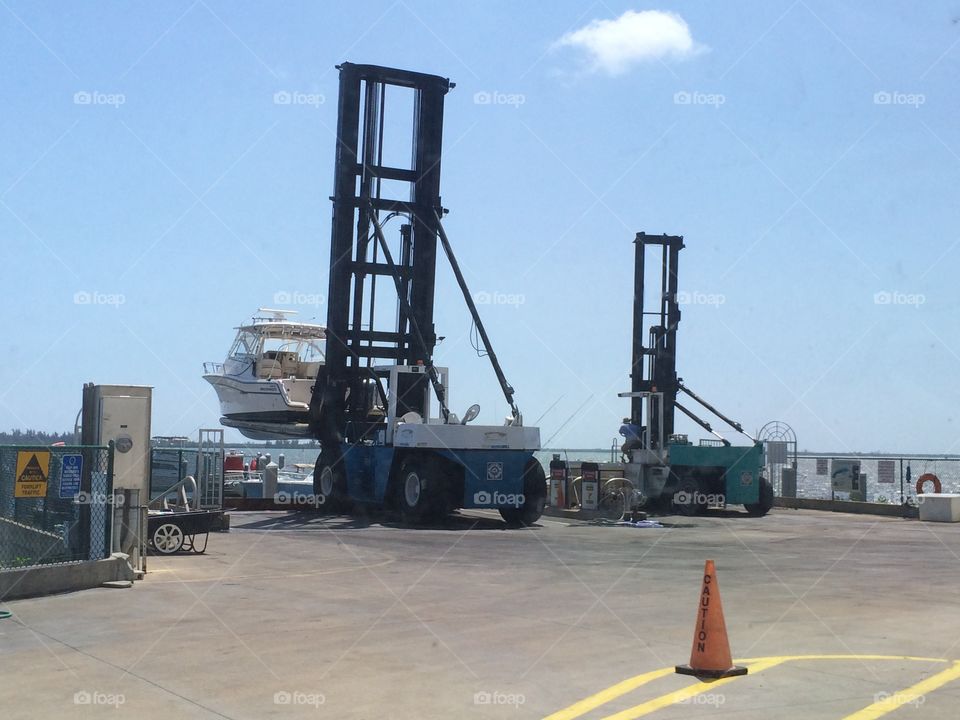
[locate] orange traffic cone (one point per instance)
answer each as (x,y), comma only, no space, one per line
(710,656)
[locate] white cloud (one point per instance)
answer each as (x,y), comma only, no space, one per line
(613,46)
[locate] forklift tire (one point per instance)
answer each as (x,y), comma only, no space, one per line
(687,498)
(416,489)
(763,505)
(329,483)
(534,498)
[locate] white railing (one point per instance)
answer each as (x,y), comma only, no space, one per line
(180,489)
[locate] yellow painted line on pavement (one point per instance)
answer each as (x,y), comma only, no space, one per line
(755,665)
(913,695)
(793,658)
(686,693)
(611,693)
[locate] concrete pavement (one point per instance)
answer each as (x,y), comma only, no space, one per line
(301,615)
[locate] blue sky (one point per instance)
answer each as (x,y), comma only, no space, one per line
(808,151)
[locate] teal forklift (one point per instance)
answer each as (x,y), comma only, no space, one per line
(668,473)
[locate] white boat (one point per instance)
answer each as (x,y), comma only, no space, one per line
(265,383)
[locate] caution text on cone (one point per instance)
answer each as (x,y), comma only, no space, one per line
(710,656)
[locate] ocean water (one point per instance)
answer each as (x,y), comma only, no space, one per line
(309,455)
(814,484)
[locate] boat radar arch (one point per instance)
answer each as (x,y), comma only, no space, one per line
(277,314)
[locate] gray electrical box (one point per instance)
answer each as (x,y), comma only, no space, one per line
(788,482)
(121,413)
(846,480)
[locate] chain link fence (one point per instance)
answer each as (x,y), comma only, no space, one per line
(170,465)
(885,478)
(55,504)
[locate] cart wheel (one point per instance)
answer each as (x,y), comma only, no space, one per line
(612,506)
(168,538)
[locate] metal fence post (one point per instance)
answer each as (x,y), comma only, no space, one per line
(108,530)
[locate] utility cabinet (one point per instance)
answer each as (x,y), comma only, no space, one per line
(846,480)
(121,413)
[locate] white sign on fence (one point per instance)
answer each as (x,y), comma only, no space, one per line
(776,452)
(886,469)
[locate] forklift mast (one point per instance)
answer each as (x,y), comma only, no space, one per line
(367,195)
(654,354)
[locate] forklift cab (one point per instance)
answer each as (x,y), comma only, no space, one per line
(648,445)
(409,396)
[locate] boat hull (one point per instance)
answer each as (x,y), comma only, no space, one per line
(259,409)
(254,429)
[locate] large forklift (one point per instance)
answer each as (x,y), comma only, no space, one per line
(379,407)
(668,472)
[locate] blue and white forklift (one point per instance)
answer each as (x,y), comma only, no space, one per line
(379,406)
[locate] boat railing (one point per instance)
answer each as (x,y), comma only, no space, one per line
(235,476)
(213,368)
(232,477)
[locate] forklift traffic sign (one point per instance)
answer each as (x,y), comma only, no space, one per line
(33,469)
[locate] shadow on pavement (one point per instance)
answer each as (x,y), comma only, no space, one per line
(359,519)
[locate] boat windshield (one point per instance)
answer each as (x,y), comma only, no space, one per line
(247,345)
(307,350)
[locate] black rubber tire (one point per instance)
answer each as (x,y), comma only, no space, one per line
(765,502)
(415,507)
(659,505)
(335,496)
(534,498)
(684,500)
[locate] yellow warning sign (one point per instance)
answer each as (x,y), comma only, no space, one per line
(33,469)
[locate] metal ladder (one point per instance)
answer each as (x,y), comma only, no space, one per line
(209,470)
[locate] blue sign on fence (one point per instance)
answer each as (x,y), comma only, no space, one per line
(71,468)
